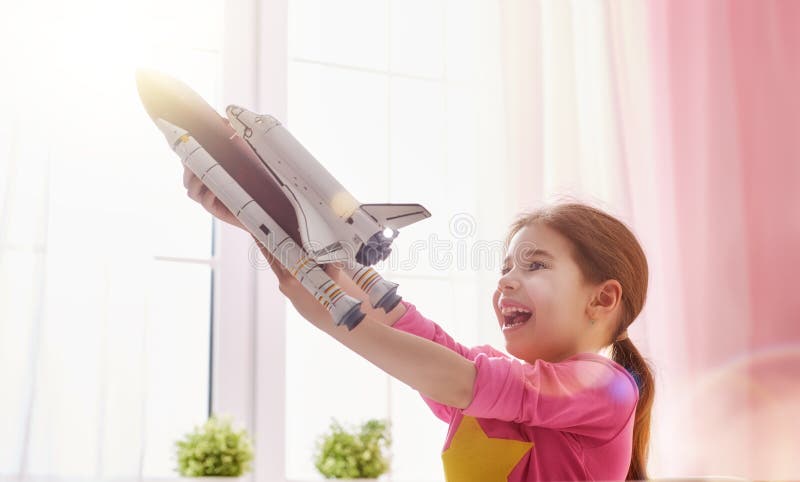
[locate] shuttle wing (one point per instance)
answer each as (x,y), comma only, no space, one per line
(396,216)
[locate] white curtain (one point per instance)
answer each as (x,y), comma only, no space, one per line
(105,265)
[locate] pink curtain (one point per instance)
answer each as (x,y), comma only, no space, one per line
(699,107)
(727,112)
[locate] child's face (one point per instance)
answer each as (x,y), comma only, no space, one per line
(551,287)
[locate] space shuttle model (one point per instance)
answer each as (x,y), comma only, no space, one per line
(286,199)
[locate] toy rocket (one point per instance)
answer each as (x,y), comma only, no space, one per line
(281,194)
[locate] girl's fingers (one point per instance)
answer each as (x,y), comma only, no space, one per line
(196,188)
(273,262)
(332,269)
(221,211)
(277,267)
(207,199)
(340,277)
(187,176)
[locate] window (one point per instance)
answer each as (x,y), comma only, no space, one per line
(105,264)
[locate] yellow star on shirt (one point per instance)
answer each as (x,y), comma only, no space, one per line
(475,457)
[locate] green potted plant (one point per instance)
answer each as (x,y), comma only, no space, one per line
(214,450)
(361,453)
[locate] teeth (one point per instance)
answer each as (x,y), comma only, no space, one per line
(510,312)
(513,309)
(512,324)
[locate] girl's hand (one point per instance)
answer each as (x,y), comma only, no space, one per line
(198,191)
(304,302)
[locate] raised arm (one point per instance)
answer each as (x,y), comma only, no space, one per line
(434,370)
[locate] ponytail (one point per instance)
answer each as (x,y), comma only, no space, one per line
(625,353)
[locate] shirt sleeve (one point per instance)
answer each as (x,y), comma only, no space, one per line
(586,395)
(415,323)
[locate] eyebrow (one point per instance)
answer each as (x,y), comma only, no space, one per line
(536,252)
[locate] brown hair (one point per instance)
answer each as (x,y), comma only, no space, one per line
(604,248)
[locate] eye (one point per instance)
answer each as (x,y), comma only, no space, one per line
(531,267)
(536,263)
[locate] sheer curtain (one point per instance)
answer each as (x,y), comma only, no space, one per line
(105,265)
(681,118)
(402,102)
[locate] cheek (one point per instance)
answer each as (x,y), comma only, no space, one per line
(554,303)
(541,293)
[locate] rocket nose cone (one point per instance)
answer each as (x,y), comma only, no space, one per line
(168,99)
(149,83)
(143,75)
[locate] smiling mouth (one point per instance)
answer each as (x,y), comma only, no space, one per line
(513,318)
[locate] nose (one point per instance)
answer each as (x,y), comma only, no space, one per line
(507,281)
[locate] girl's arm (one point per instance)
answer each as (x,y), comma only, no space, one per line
(434,370)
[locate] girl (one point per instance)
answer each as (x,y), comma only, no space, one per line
(573,280)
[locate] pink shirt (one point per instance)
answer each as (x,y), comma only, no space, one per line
(571,420)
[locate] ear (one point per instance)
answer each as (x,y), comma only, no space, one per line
(605,300)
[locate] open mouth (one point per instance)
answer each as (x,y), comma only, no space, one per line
(514,317)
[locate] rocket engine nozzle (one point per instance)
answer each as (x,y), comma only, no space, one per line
(377,248)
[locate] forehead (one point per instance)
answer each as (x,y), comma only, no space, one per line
(540,239)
